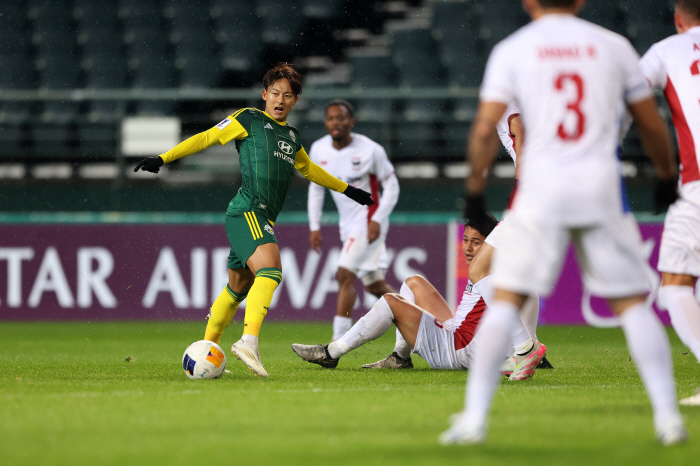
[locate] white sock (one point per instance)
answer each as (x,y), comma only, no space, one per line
(520,335)
(401,348)
(372,326)
(341,324)
(250,340)
(530,313)
(407,292)
(648,345)
(490,351)
(684,310)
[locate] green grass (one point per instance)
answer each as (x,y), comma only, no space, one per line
(67,396)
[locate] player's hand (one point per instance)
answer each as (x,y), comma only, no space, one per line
(373,231)
(150,164)
(666,194)
(475,207)
(358,195)
(315,240)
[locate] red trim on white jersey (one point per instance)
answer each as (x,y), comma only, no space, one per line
(686,145)
(374,187)
(466,330)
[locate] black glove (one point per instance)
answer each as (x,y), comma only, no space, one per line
(666,194)
(150,164)
(359,196)
(475,208)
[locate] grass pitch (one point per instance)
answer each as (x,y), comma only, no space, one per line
(69,396)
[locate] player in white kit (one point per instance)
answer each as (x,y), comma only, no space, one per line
(422,316)
(673,65)
(361,162)
(524,339)
(569,78)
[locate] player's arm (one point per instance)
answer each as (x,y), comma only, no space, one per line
(315,209)
(515,126)
(318,175)
(387,202)
(222,133)
(657,143)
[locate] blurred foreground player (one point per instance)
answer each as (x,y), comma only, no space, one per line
(569,78)
(425,322)
(269,152)
(673,65)
(359,161)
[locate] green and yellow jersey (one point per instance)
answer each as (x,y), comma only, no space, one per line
(269,151)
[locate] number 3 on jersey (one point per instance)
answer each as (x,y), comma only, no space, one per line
(572,106)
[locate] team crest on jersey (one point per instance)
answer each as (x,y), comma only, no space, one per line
(291,135)
(269,229)
(356,163)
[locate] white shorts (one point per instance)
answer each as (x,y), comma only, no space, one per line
(436,344)
(610,257)
(680,242)
(364,258)
(495,238)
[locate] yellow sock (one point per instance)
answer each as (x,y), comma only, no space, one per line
(221,313)
(259,299)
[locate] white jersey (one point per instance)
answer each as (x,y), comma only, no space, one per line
(673,65)
(469,312)
(569,78)
(503,129)
(364,165)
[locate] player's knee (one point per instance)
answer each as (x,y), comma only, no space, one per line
(415,281)
(344,276)
(393,298)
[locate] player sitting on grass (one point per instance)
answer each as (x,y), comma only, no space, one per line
(425,323)
(270,150)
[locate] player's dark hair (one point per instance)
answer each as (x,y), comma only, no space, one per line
(556,3)
(692,7)
(483,225)
(343,103)
(283,71)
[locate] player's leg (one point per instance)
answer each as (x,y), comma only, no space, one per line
(224,307)
(257,250)
(370,327)
(677,295)
(614,267)
(520,266)
(347,295)
(524,343)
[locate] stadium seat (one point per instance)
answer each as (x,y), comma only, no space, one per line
(96,140)
(52,17)
(12,139)
(324,9)
(199,72)
(16,73)
(370,72)
(154,73)
(604,13)
(647,22)
(498,19)
(415,140)
(91,16)
(240,45)
(51,140)
(281,22)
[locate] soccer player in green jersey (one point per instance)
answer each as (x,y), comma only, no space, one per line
(269,150)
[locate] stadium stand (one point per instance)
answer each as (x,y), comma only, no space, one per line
(380,46)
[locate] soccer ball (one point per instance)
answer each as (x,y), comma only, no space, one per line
(204,360)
